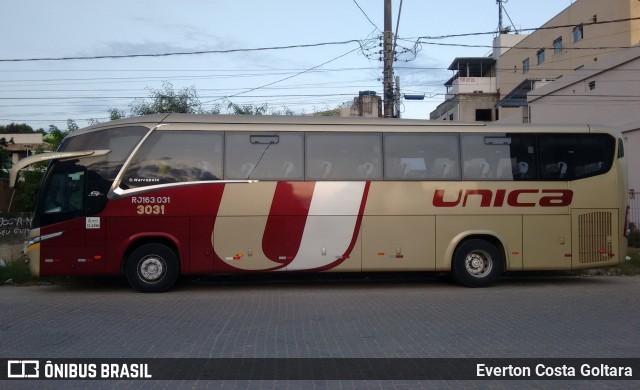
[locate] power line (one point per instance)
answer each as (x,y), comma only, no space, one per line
(287,78)
(184,77)
(359,42)
(366,16)
(199,52)
(48,70)
(527,48)
(464,35)
(242,94)
(330,85)
(144,97)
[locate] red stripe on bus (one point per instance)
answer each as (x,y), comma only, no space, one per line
(287,218)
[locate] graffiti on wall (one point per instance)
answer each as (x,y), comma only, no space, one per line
(15,226)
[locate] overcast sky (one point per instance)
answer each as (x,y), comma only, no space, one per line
(304,79)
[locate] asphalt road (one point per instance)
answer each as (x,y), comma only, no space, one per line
(328,317)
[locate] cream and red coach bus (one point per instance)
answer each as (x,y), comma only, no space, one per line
(166,195)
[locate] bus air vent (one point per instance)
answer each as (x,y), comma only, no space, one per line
(595,237)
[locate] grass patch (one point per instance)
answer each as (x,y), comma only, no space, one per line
(630,267)
(16,271)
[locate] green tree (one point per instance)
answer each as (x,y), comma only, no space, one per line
(250,109)
(15,128)
(27,192)
(115,113)
(5,157)
(329,112)
(247,109)
(186,101)
(167,100)
(55,136)
(283,111)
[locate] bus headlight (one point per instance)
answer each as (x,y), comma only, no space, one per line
(39,239)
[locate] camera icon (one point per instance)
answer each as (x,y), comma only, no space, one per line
(23,369)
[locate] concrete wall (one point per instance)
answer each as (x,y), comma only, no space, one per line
(632,139)
(365,106)
(14,230)
(611,101)
(20,138)
(473,85)
(463,107)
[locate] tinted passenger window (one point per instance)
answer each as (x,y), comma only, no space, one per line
(575,156)
(343,156)
(421,156)
(176,156)
(499,156)
(264,156)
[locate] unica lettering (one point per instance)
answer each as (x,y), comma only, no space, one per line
(499,198)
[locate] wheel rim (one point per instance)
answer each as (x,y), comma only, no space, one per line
(151,269)
(478,263)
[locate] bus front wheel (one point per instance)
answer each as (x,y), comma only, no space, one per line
(477,263)
(152,268)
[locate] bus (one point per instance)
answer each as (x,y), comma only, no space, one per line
(156,197)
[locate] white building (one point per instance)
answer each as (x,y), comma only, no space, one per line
(585,32)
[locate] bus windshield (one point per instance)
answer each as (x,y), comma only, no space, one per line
(67,184)
(120,141)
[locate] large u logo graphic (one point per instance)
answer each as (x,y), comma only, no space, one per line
(310,225)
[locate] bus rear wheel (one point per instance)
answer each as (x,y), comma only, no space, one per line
(152,268)
(477,263)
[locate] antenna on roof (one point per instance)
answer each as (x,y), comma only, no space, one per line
(501,28)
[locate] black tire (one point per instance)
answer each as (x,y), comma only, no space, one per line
(477,263)
(152,268)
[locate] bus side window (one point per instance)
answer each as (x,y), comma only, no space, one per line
(443,168)
(572,157)
(476,168)
(556,170)
(412,156)
(287,169)
(174,157)
(479,158)
(264,156)
(499,156)
(344,156)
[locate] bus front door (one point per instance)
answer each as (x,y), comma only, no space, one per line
(71,243)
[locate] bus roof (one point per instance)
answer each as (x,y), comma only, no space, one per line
(314,123)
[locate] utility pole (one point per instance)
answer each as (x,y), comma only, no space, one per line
(388,61)
(499,16)
(397,99)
